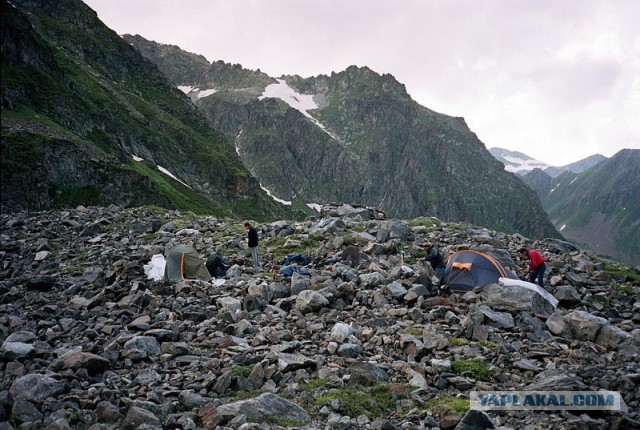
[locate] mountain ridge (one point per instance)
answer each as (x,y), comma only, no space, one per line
(86,119)
(599,206)
(367,142)
(522,164)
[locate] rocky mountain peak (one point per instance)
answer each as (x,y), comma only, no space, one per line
(361,139)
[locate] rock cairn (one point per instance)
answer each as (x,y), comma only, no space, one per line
(88,341)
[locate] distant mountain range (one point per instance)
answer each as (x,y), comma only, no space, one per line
(89,117)
(355,136)
(599,206)
(521,164)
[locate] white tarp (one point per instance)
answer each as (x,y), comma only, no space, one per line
(155,269)
(533,287)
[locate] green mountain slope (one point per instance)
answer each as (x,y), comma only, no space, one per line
(80,106)
(364,141)
(601,206)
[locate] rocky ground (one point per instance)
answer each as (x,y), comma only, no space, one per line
(360,343)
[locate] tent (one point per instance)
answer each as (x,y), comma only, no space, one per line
(468,269)
(184,263)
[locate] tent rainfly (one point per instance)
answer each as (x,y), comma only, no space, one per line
(184,263)
(468,269)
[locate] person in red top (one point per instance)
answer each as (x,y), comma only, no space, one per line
(536,265)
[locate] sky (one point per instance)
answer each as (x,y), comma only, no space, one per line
(558,80)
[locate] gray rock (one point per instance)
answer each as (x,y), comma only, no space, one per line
(291,362)
(192,400)
(258,409)
(36,388)
(433,341)
(299,283)
(441,365)
(141,347)
(75,360)
(611,337)
(341,331)
(21,336)
(475,420)
(372,279)
(495,319)
(556,380)
(515,298)
(366,374)
(230,304)
(175,348)
(10,351)
(310,301)
(395,290)
(567,295)
(137,417)
(585,326)
(24,411)
(147,378)
(350,350)
(558,325)
(107,411)
(218,340)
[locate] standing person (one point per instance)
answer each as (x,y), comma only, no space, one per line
(536,265)
(252,238)
(435,258)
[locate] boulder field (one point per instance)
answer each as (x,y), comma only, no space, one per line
(358,338)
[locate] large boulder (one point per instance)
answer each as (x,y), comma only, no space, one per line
(36,387)
(265,406)
(518,296)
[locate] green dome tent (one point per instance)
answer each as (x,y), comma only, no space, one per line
(468,269)
(184,264)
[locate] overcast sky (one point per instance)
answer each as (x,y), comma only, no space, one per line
(556,79)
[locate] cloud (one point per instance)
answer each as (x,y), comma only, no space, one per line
(557,80)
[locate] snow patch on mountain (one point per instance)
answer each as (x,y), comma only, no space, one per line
(516,162)
(168,173)
(516,165)
(270,194)
(301,102)
(196,93)
(163,170)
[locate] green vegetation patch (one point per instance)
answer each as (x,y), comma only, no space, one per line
(458,341)
(625,289)
(64,196)
(624,273)
(180,196)
(475,368)
(422,222)
(456,404)
(489,345)
(413,331)
(354,401)
(314,384)
(243,371)
(245,395)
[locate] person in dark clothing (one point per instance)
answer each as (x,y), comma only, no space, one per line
(435,258)
(215,265)
(536,267)
(252,241)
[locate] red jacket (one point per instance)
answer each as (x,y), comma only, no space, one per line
(537,260)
